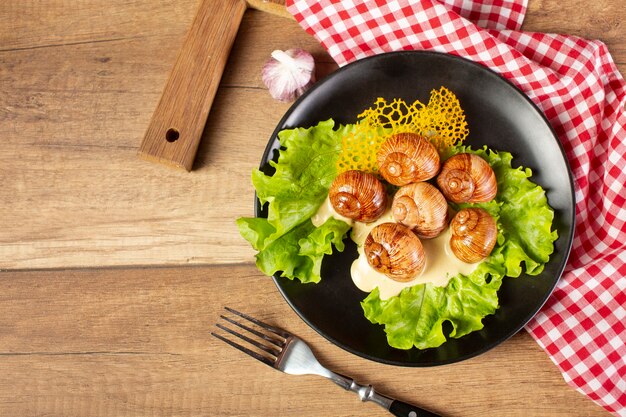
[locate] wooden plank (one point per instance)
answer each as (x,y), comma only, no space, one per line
(74,128)
(98,204)
(36,24)
(602,20)
(136,342)
(276,7)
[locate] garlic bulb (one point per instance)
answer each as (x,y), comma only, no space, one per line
(288,74)
(358,195)
(394,250)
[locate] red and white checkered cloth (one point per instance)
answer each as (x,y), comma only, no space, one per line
(575,82)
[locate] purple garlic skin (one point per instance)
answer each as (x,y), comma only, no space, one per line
(288,74)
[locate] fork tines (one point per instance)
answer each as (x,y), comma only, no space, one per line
(268,340)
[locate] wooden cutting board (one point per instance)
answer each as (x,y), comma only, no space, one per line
(174,132)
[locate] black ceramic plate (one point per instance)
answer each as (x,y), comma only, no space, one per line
(499,116)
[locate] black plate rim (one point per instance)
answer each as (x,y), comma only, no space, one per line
(568,245)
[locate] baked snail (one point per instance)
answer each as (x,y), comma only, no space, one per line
(407,157)
(358,195)
(394,250)
(473,234)
(467,178)
(421,207)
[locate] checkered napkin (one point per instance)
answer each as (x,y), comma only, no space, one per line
(576,84)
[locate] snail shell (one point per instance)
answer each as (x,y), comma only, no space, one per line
(407,157)
(474,234)
(421,207)
(467,178)
(358,195)
(394,250)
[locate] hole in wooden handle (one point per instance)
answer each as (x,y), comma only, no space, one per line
(171,135)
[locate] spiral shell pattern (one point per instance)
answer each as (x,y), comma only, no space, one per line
(467,178)
(407,157)
(394,250)
(421,207)
(473,234)
(358,195)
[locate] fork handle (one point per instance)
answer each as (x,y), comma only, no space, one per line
(367,393)
(402,409)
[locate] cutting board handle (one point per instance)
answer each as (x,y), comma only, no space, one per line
(176,127)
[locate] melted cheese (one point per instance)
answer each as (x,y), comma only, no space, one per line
(441,264)
(325,212)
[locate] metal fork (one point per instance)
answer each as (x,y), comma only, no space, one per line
(288,353)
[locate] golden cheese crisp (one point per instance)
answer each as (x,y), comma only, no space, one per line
(442,121)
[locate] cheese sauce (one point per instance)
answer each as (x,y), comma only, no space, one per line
(325,212)
(441,264)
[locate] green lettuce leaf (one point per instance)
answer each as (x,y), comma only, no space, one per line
(305,168)
(524,217)
(286,240)
(299,252)
(417,315)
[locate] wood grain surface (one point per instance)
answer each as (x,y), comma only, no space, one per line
(113,270)
(276,7)
(74,112)
(135,342)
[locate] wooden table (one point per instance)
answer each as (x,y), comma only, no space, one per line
(114,270)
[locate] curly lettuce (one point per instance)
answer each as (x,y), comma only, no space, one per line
(286,241)
(290,245)
(416,316)
(524,214)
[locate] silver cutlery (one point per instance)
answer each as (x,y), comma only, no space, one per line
(290,354)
